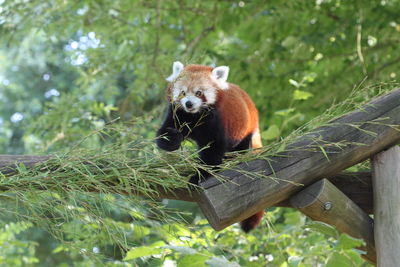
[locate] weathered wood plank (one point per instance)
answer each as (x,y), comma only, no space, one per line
(8,163)
(322,153)
(356,185)
(386,182)
(324,202)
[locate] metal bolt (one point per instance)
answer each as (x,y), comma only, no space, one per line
(328,205)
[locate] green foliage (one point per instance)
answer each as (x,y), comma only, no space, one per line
(232,248)
(141,252)
(12,247)
(84,80)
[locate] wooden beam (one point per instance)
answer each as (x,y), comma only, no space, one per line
(386,182)
(322,153)
(322,201)
(9,163)
(356,185)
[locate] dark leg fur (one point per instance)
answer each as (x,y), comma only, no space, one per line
(244,144)
(200,176)
(250,223)
(212,156)
(210,138)
(168,137)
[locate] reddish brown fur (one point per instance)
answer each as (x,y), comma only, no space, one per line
(192,74)
(238,112)
(198,69)
(203,98)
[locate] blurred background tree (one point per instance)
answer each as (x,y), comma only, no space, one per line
(67,68)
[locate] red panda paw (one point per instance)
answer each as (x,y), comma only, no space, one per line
(171,140)
(200,176)
(195,179)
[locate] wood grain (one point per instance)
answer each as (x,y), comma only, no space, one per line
(386,182)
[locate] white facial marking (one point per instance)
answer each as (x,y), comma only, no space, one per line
(191,103)
(177,68)
(220,75)
(210,95)
(177,91)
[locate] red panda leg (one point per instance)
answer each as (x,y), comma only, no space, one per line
(254,141)
(250,223)
(244,144)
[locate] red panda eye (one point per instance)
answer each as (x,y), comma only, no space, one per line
(183,93)
(198,93)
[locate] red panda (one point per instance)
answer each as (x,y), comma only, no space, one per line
(219,116)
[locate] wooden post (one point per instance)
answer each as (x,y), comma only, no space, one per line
(386,184)
(322,201)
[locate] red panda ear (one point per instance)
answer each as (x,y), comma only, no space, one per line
(221,75)
(177,68)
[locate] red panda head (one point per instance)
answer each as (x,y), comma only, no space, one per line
(195,87)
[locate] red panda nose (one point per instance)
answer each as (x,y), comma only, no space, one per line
(189,104)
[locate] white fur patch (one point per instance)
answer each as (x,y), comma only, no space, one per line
(196,103)
(176,91)
(220,75)
(177,68)
(210,95)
